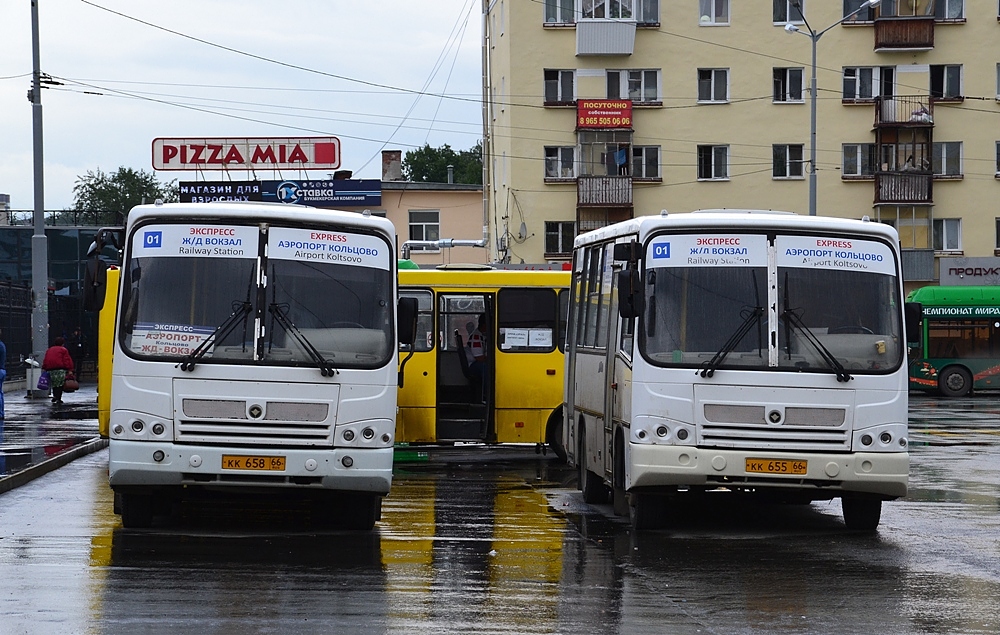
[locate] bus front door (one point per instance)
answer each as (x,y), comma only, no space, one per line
(464,383)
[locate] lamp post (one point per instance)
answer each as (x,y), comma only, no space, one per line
(814,36)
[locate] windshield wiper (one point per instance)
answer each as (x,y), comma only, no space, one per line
(752,318)
(241,310)
(791,318)
(326,368)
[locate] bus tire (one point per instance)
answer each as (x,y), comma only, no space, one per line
(136,510)
(592,486)
(955,381)
(553,434)
(646,511)
(362,511)
(861,513)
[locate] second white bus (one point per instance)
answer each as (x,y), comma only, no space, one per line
(757,352)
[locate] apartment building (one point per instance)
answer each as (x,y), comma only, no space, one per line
(602,110)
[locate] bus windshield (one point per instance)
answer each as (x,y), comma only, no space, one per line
(295,302)
(836,304)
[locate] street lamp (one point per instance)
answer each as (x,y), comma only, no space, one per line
(814,36)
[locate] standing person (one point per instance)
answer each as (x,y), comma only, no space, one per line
(57,362)
(3,375)
(475,349)
(74,344)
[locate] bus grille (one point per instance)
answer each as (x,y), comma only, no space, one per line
(800,428)
(227,422)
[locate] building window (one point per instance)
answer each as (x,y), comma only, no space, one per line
(788,84)
(786,11)
(949,9)
(860,159)
(559,87)
(998,159)
(714,12)
(559,237)
(560,11)
(865,83)
(713,163)
(647,11)
(866,15)
(913,224)
(787,161)
(946,158)
(560,162)
(998,79)
(615,9)
(425,224)
(997,225)
(947,234)
(641,86)
(713,85)
(646,162)
(604,152)
(946,81)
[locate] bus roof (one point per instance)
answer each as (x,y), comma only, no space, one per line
(482,278)
(956,296)
(721,219)
(228,211)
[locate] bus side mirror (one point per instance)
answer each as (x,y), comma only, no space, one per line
(95,283)
(629,293)
(913,313)
(406,309)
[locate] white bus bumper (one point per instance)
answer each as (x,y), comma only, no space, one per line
(885,474)
(132,464)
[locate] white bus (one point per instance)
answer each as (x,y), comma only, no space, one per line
(756,352)
(255,349)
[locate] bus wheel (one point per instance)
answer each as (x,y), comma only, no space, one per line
(362,511)
(553,436)
(136,510)
(591,484)
(646,511)
(955,381)
(861,513)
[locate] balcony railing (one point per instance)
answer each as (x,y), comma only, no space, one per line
(907,111)
(905,187)
(918,265)
(915,33)
(604,191)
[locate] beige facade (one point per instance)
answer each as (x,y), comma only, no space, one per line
(431,212)
(907,117)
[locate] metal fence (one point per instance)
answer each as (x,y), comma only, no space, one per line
(65,313)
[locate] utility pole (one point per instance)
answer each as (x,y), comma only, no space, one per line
(39,245)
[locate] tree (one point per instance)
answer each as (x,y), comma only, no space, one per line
(101,198)
(431,164)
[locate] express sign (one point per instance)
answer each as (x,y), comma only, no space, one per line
(299,153)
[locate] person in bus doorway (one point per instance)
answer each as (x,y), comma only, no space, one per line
(475,350)
(57,362)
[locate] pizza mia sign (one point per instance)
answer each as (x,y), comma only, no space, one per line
(224,153)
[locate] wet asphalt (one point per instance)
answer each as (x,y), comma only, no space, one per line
(499,541)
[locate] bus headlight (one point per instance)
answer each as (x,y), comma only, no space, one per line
(372,433)
(887,437)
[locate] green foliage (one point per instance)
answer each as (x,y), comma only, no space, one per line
(431,164)
(101,198)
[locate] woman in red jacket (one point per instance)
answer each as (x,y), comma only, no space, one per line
(57,362)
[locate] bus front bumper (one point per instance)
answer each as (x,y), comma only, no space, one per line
(884,474)
(132,463)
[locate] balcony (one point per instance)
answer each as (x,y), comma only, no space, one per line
(912,33)
(604,191)
(904,111)
(904,187)
(605,37)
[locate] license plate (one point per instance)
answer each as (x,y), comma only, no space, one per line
(258,463)
(776,466)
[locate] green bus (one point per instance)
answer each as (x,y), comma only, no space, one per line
(959,348)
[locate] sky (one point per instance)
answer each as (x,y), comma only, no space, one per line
(383,74)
